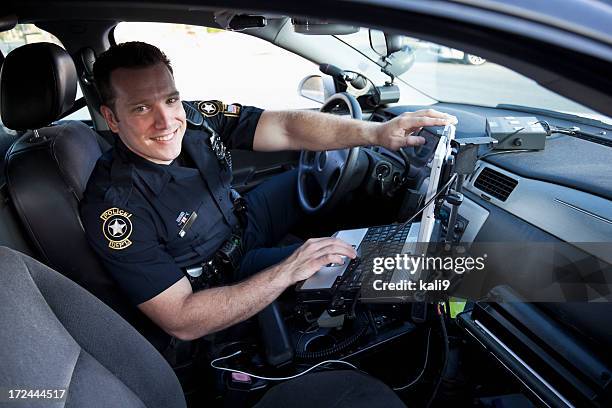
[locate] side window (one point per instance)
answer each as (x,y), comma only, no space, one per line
(232,67)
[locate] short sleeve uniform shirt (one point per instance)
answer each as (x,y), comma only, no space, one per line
(133,209)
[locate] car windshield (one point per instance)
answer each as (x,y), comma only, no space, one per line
(450,75)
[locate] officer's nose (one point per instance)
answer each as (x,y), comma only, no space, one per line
(163,118)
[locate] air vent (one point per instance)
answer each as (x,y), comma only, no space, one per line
(495,183)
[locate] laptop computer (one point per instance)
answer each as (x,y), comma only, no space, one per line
(390,240)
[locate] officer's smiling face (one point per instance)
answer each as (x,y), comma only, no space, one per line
(148,114)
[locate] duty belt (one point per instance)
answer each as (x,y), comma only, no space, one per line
(226,260)
(219,269)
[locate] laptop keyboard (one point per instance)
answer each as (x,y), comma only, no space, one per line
(382,241)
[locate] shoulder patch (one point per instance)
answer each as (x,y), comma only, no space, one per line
(210,108)
(117,228)
(232,110)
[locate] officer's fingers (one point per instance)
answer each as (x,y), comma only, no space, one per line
(318,262)
(313,240)
(309,266)
(411,123)
(398,142)
(309,244)
(431,113)
(314,244)
(337,249)
(410,140)
(413,141)
(333,244)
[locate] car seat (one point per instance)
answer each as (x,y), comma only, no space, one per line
(56,335)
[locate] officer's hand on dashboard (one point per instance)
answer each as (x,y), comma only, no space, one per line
(312,255)
(399,132)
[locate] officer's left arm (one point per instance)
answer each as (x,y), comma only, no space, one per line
(315,131)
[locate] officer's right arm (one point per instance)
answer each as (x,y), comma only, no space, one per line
(187,315)
(128,244)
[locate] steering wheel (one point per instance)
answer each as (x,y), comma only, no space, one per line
(324,176)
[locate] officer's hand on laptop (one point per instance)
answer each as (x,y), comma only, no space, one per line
(400,131)
(312,255)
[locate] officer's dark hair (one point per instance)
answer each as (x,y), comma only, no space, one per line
(133,54)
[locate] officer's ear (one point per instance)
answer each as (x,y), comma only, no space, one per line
(111,119)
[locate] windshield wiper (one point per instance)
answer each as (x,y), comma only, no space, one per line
(555,114)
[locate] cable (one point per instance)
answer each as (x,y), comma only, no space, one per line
(484,156)
(403,224)
(403,387)
(336,348)
(545,125)
(406,159)
(444,187)
(446,353)
(416,214)
(314,326)
(502,140)
(391,234)
(212,364)
(378,95)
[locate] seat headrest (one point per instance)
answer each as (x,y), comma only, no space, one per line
(37,84)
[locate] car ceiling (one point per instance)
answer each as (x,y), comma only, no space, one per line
(571,59)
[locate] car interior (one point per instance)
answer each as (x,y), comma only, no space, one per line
(66,325)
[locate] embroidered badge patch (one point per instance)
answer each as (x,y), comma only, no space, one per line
(232,110)
(210,108)
(117,228)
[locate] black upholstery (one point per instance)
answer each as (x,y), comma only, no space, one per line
(46,175)
(55,335)
(38,85)
(46,178)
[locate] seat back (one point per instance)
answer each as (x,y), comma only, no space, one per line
(55,335)
(47,170)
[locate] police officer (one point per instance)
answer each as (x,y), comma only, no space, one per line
(159,211)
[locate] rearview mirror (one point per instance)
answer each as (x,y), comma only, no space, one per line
(385,44)
(316,88)
(396,54)
(400,61)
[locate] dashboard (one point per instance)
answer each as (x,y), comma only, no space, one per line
(564,191)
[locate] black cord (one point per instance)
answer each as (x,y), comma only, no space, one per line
(372,322)
(498,152)
(378,95)
(509,135)
(336,348)
(446,353)
(416,214)
(406,165)
(418,377)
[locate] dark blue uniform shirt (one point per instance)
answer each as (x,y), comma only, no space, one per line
(133,209)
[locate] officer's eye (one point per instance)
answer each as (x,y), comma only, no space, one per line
(172,100)
(140,109)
